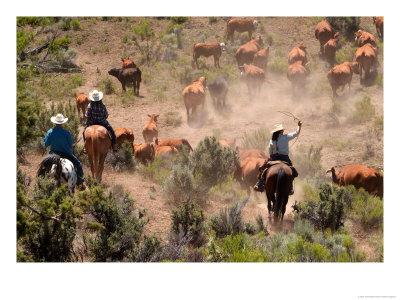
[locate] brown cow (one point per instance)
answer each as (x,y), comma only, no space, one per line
(297,74)
(359,176)
(240,25)
(341,75)
(194,95)
(366,57)
(252,152)
(124,134)
(245,53)
(364,37)
(208,49)
(378,21)
(323,32)
(150,130)
(177,143)
(260,59)
(247,173)
(127,63)
(82,102)
(164,151)
(144,153)
(254,78)
(330,48)
(128,76)
(298,53)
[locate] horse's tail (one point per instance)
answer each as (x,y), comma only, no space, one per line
(280,192)
(46,165)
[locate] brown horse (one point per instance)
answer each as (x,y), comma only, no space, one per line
(97,144)
(277,184)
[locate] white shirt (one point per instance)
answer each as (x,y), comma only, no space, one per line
(281,145)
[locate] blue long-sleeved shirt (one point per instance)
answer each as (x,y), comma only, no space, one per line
(59,139)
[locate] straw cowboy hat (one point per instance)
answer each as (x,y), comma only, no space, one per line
(95,95)
(277,127)
(59,119)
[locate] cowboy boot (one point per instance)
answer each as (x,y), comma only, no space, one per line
(259,187)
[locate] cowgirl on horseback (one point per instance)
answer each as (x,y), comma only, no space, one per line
(60,143)
(278,150)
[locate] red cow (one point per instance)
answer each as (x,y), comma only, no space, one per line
(150,130)
(252,152)
(297,74)
(144,153)
(245,53)
(298,53)
(82,102)
(323,32)
(207,50)
(378,21)
(194,95)
(260,59)
(341,75)
(364,37)
(240,25)
(330,47)
(164,151)
(177,143)
(254,78)
(124,134)
(247,173)
(127,63)
(366,57)
(359,176)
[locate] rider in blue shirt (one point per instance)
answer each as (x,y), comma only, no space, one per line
(60,143)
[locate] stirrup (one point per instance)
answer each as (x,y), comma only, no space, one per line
(258,189)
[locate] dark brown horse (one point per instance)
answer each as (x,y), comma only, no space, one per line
(277,184)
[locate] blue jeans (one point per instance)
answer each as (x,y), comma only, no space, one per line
(106,125)
(77,164)
(281,157)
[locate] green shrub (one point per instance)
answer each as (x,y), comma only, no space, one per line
(211,162)
(304,251)
(77,80)
(46,223)
(304,229)
(308,163)
(379,80)
(125,38)
(365,111)
(27,120)
(226,191)
(117,228)
(123,159)
(188,219)
(278,66)
(107,85)
(258,139)
(78,39)
(59,44)
(75,24)
(173,119)
(65,24)
(377,126)
(325,212)
(345,54)
(23,40)
(34,21)
(157,170)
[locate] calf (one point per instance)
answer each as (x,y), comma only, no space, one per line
(128,76)
(329,50)
(364,37)
(359,176)
(144,153)
(82,102)
(150,130)
(127,63)
(177,143)
(194,95)
(254,78)
(164,152)
(260,59)
(240,25)
(218,90)
(378,22)
(207,50)
(245,53)
(323,32)
(298,53)
(341,75)
(366,58)
(124,134)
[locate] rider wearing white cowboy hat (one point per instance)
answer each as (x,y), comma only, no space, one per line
(97,114)
(60,143)
(278,150)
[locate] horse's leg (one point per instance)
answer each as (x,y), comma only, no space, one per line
(271,199)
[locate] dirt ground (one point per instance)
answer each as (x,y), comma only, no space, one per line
(242,115)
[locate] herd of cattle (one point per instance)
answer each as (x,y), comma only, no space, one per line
(252,62)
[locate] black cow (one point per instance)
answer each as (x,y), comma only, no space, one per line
(128,76)
(218,89)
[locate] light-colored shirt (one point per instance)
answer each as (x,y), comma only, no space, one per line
(281,145)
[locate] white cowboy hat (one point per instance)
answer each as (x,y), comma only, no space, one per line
(277,127)
(59,119)
(95,95)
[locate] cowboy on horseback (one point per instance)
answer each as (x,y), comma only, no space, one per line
(278,150)
(60,143)
(97,114)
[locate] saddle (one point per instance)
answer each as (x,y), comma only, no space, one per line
(276,162)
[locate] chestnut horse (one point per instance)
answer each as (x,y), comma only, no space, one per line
(277,187)
(97,144)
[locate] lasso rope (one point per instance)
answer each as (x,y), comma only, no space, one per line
(289,114)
